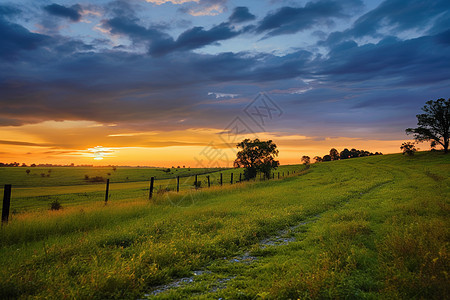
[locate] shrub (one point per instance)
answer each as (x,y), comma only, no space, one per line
(197,184)
(408,148)
(55,205)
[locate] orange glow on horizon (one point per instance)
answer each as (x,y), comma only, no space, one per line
(90,143)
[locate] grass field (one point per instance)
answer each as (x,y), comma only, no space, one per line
(366,228)
(37,193)
(69,176)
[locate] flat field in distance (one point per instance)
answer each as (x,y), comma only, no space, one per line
(70,186)
(68,176)
(364,228)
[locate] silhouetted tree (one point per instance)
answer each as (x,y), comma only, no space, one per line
(408,148)
(354,153)
(345,154)
(306,160)
(28,171)
(334,154)
(256,156)
(327,158)
(433,124)
(318,158)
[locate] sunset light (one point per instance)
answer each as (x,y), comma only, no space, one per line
(224,149)
(150,76)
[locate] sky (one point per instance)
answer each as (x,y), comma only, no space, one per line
(180,82)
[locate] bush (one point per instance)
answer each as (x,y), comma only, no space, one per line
(408,148)
(55,205)
(197,184)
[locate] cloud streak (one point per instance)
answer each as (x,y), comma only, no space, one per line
(72,13)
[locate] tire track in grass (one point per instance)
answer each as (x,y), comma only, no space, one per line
(283,237)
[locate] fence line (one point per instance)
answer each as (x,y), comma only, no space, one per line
(197,184)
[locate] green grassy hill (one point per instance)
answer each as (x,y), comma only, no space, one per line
(374,227)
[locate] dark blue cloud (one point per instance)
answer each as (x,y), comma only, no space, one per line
(352,86)
(441,23)
(8,11)
(72,13)
(287,20)
(159,43)
(414,62)
(241,14)
(194,38)
(398,15)
(15,38)
(137,33)
(122,8)
(394,16)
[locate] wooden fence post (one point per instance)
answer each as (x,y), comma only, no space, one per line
(240,177)
(278,175)
(231,178)
(273,175)
(209,183)
(221,181)
(150,194)
(288,173)
(107,191)
(178,184)
(195,182)
(6,203)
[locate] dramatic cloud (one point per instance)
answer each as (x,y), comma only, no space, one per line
(288,20)
(396,16)
(134,68)
(393,17)
(194,38)
(416,61)
(72,13)
(14,38)
(241,14)
(160,43)
(137,33)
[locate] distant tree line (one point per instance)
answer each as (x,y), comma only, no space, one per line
(16,164)
(344,154)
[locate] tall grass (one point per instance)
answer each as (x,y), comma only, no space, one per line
(374,227)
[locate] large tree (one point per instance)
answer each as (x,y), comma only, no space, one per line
(434,124)
(345,154)
(334,154)
(306,160)
(256,156)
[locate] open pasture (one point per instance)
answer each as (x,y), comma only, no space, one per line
(373,228)
(69,190)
